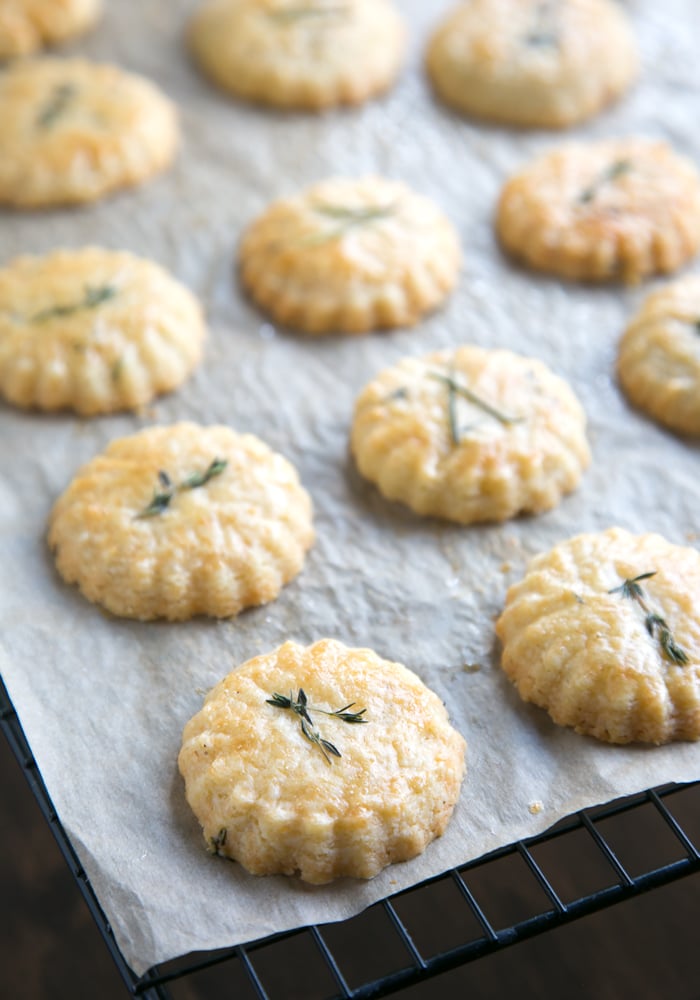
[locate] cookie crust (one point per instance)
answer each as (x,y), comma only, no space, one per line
(423,442)
(659,357)
(269,799)
(531,63)
(308,56)
(350,256)
(228,544)
(617,210)
(74,131)
(578,646)
(28,25)
(94,331)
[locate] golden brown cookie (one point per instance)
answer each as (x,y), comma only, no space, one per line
(182,520)
(321,761)
(470,435)
(604,633)
(29,25)
(659,358)
(532,63)
(94,331)
(73,131)
(617,210)
(350,255)
(307,54)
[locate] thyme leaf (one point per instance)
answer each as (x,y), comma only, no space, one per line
(117,368)
(59,99)
(292,15)
(607,176)
(543,32)
(202,478)
(300,706)
(345,714)
(456,389)
(656,626)
(163,498)
(631,588)
(355,216)
(347,218)
(94,297)
(219,841)
(452,412)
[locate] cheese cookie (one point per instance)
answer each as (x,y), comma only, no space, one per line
(604,633)
(322,762)
(28,25)
(73,131)
(306,54)
(532,63)
(94,331)
(616,210)
(183,520)
(351,256)
(659,357)
(470,435)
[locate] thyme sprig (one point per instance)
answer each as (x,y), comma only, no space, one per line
(456,389)
(544,30)
(163,497)
(291,15)
(94,297)
(59,99)
(117,368)
(607,176)
(300,706)
(400,393)
(219,841)
(347,218)
(656,626)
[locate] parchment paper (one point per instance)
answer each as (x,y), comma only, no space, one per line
(103,701)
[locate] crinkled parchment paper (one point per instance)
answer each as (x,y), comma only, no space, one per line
(103,701)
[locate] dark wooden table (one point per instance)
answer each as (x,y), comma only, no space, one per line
(50,949)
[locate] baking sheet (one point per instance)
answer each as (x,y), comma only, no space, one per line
(103,701)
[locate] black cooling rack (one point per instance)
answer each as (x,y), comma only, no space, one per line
(583,864)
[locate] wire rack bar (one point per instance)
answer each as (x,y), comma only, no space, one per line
(606,850)
(331,963)
(688,846)
(403,933)
(541,878)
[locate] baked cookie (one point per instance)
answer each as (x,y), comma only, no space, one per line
(470,435)
(321,761)
(350,255)
(604,633)
(532,63)
(617,210)
(94,331)
(28,25)
(306,54)
(183,520)
(659,357)
(73,131)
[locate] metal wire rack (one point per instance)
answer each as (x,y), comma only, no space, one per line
(580,866)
